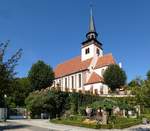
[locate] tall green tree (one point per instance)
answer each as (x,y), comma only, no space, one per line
(114,77)
(7,70)
(40,75)
(19,91)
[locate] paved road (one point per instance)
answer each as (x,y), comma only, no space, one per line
(44,125)
(15,126)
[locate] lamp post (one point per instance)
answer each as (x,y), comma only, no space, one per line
(5,108)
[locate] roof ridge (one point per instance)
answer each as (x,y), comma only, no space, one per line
(108,54)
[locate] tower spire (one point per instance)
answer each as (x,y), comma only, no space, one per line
(92,30)
(92,25)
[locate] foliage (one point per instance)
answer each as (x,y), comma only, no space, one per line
(142,94)
(78,99)
(135,82)
(62,102)
(82,111)
(105,103)
(114,77)
(20,90)
(79,102)
(74,100)
(51,102)
(40,75)
(146,111)
(7,71)
(120,123)
(146,115)
(148,75)
(38,102)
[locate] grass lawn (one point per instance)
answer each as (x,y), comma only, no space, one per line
(78,121)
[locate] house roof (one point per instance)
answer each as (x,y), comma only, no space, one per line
(71,66)
(104,61)
(76,65)
(94,78)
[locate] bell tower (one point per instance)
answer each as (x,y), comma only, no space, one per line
(91,47)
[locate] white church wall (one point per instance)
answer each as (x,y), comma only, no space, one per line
(69,81)
(98,87)
(100,71)
(92,52)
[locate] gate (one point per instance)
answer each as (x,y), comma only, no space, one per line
(17,113)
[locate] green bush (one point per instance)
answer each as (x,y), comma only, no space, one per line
(51,102)
(82,111)
(146,116)
(146,111)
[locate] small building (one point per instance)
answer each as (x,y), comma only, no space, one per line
(84,73)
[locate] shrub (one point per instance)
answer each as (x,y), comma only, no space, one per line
(146,111)
(82,111)
(50,102)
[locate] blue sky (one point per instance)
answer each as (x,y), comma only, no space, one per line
(52,30)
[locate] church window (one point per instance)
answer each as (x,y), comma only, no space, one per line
(59,82)
(96,92)
(97,51)
(72,79)
(79,80)
(87,51)
(65,82)
(102,72)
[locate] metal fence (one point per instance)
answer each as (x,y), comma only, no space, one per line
(17,113)
(3,114)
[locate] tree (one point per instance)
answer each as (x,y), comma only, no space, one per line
(148,75)
(40,75)
(142,94)
(136,82)
(114,77)
(7,71)
(20,90)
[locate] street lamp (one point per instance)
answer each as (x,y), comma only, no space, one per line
(5,107)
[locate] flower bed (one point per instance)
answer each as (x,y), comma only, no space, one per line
(78,121)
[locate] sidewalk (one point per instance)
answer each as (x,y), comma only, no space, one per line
(58,127)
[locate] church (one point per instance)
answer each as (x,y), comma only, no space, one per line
(84,73)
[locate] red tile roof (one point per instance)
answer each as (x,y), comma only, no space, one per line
(71,66)
(75,65)
(105,60)
(94,78)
